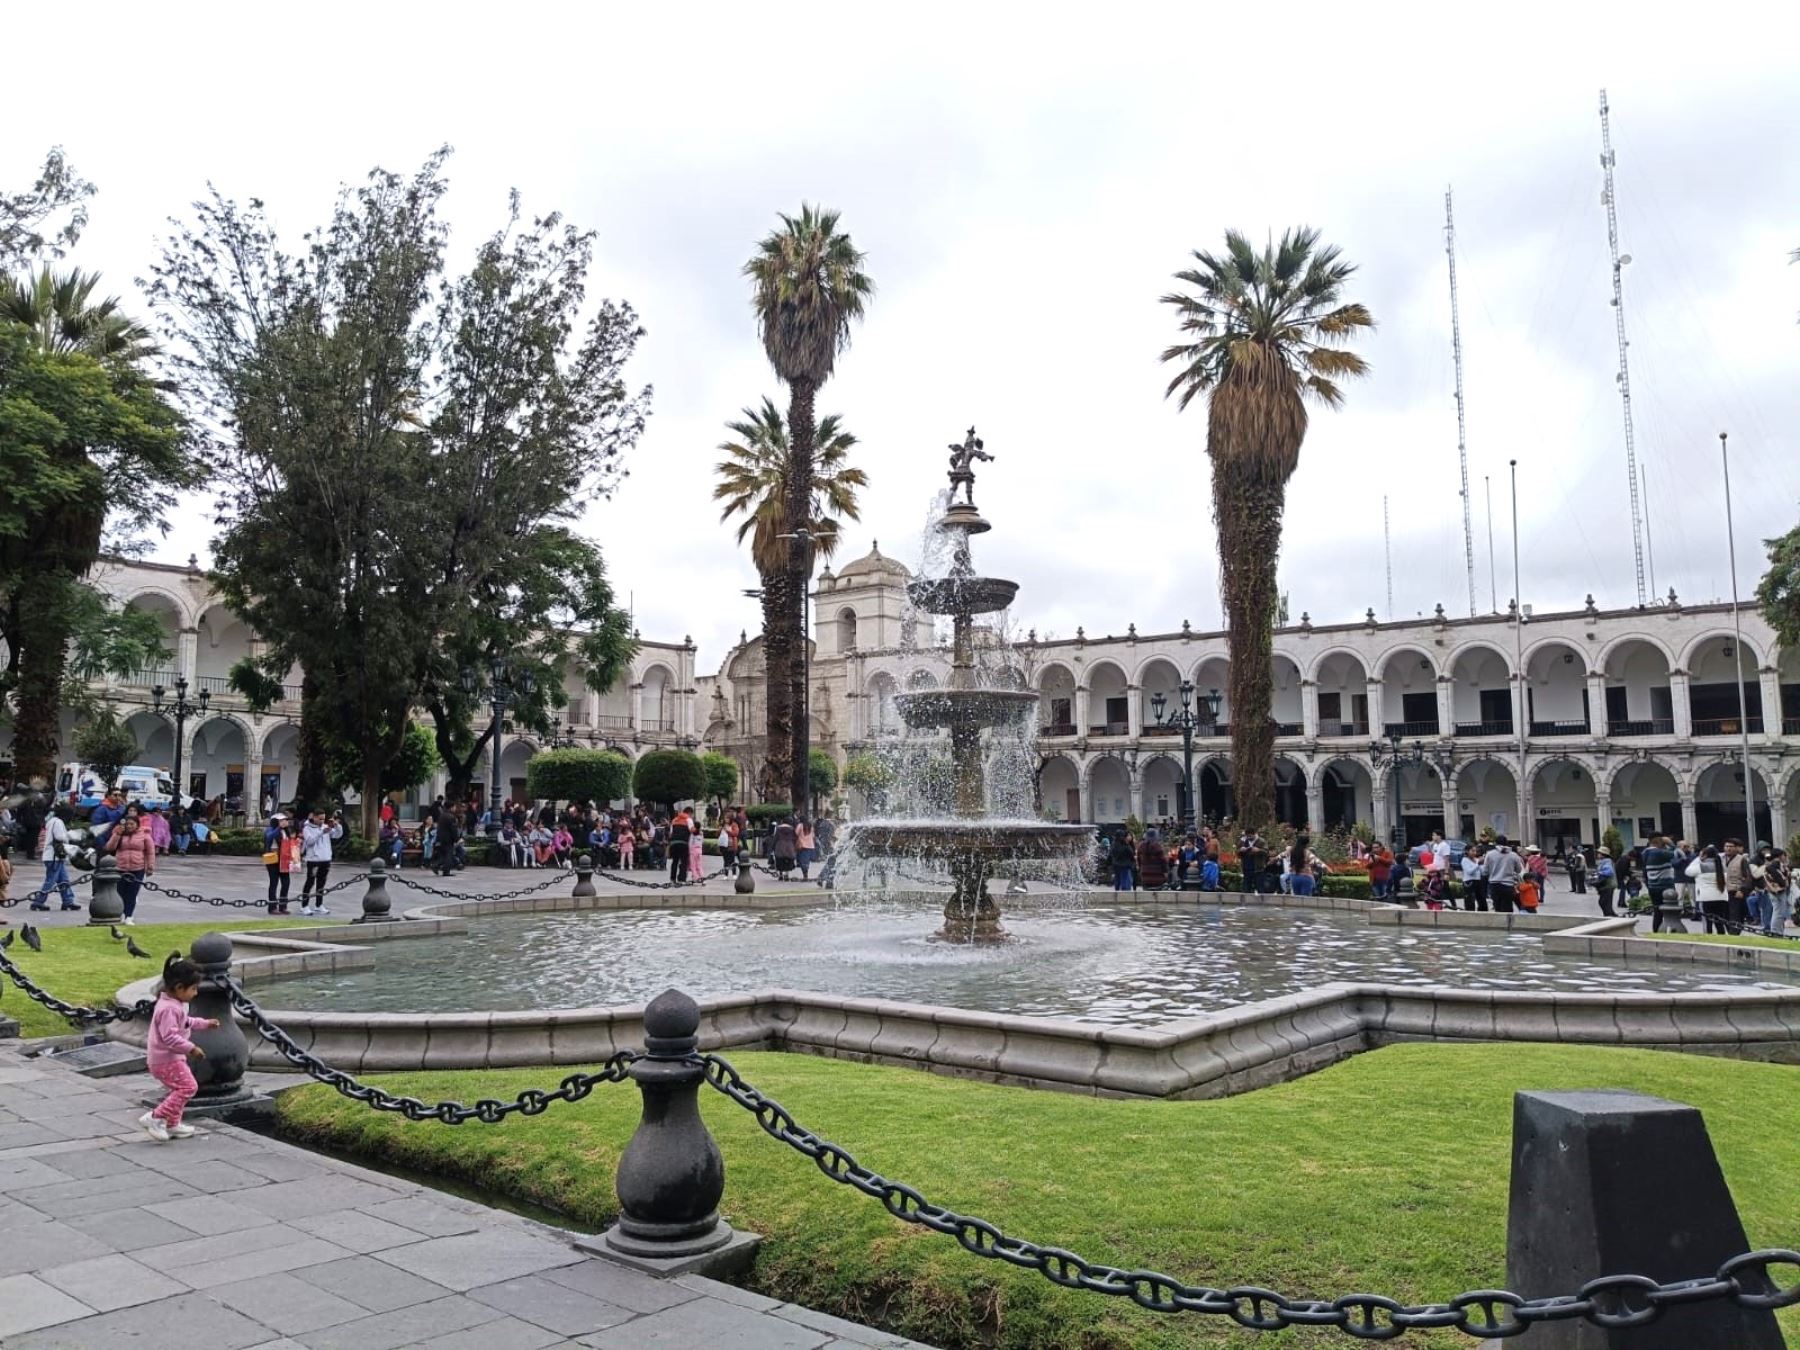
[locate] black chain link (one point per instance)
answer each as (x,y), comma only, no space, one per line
(555,880)
(75,1012)
(84,879)
(195,898)
(1610,1301)
(489,1111)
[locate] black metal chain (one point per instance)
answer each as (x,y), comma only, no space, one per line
(195,898)
(557,879)
(81,1016)
(489,1111)
(85,879)
(624,880)
(1610,1301)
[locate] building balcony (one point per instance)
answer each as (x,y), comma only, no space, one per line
(1332,729)
(613,721)
(1499,726)
(149,679)
(1728,726)
(1290,728)
(1790,726)
(1057,729)
(1575,728)
(1110,729)
(1414,729)
(1649,726)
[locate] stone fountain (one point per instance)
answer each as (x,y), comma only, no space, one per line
(971,842)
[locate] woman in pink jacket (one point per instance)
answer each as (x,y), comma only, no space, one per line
(132,844)
(169,1048)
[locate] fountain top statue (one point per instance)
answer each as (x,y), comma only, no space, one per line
(962,462)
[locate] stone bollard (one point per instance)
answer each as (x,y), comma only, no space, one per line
(671,1175)
(377,904)
(221,1074)
(1668,911)
(744,883)
(105,906)
(1615,1183)
(584,875)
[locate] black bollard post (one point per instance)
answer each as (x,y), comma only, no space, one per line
(671,1176)
(377,904)
(584,875)
(105,906)
(227,1054)
(1615,1183)
(744,883)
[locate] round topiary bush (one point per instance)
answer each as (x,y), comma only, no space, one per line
(669,776)
(598,776)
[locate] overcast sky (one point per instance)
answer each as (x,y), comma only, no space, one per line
(1023,186)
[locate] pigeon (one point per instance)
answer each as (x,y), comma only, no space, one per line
(134,949)
(6,939)
(32,940)
(114,930)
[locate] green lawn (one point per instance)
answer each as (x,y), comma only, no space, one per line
(1386,1173)
(85,965)
(1742,940)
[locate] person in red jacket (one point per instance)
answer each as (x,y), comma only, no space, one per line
(134,848)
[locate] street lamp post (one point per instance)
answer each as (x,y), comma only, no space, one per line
(502,690)
(180,710)
(1186,721)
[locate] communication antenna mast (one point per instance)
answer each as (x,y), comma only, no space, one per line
(1387,546)
(1609,199)
(1493,586)
(1462,448)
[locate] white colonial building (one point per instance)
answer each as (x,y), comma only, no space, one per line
(1627,718)
(1630,718)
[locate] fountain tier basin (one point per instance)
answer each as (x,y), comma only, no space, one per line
(949,840)
(966,707)
(962,595)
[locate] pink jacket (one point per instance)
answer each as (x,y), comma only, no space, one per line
(169,1027)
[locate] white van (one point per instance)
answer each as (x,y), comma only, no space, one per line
(81,787)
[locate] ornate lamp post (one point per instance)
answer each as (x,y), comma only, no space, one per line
(1186,722)
(180,710)
(562,738)
(1440,758)
(502,691)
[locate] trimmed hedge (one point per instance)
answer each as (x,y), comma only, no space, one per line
(763,814)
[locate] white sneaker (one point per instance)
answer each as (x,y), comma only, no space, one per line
(154,1128)
(320,912)
(306,911)
(183,1131)
(129,923)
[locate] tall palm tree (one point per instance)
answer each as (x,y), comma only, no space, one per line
(754,480)
(59,314)
(809,287)
(1264,334)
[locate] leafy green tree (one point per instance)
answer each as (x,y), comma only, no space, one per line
(870,775)
(753,483)
(1779,591)
(721,776)
(822,775)
(88,441)
(401,447)
(46,219)
(809,288)
(598,776)
(1263,333)
(105,745)
(414,762)
(669,776)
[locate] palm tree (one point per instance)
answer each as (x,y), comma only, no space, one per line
(754,479)
(809,287)
(58,315)
(1265,332)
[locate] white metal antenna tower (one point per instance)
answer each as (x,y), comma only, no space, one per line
(1462,448)
(1387,547)
(1609,199)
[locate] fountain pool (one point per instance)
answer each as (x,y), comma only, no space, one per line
(1109,964)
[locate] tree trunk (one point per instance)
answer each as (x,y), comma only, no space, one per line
(371,798)
(1247,506)
(778,689)
(310,785)
(459,771)
(44,633)
(801,435)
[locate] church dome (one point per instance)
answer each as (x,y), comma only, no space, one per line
(874,564)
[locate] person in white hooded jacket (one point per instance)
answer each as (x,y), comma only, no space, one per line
(1707,872)
(315,851)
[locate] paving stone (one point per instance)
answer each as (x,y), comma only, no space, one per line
(293,1255)
(405,1326)
(852,1332)
(371,1284)
(108,1282)
(95,1195)
(283,1344)
(23,1133)
(316,1195)
(472,1259)
(20,1173)
(210,1177)
(287,1304)
(27,1303)
(357,1232)
(509,1333)
(280,1166)
(555,1307)
(171,1324)
(183,1250)
(50,1109)
(208,1214)
(708,1322)
(129,1230)
(729,1293)
(423,1216)
(97,1162)
(33,1245)
(615,1284)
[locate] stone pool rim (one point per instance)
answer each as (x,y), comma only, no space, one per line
(1215,1054)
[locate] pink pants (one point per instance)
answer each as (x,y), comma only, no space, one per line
(179,1079)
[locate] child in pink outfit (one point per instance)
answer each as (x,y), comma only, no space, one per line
(169,1048)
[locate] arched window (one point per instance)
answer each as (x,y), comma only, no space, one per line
(847,630)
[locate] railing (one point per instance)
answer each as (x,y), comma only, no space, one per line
(1290,728)
(658,724)
(151,678)
(1110,729)
(1499,726)
(1153,730)
(1727,726)
(613,721)
(215,684)
(1343,729)
(1057,729)
(1579,728)
(1649,726)
(1790,726)
(1429,728)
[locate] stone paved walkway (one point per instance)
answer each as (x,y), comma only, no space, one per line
(229,1240)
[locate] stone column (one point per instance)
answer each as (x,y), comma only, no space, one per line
(187,654)
(253,769)
(1452,816)
(637,706)
(1138,793)
(1377,712)
(1446,705)
(1778,821)
(1081,715)
(1309,710)
(1087,803)
(1134,704)
(1315,807)
(1684,711)
(1603,809)
(1690,818)
(1382,817)
(1771,705)
(1596,687)
(1523,827)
